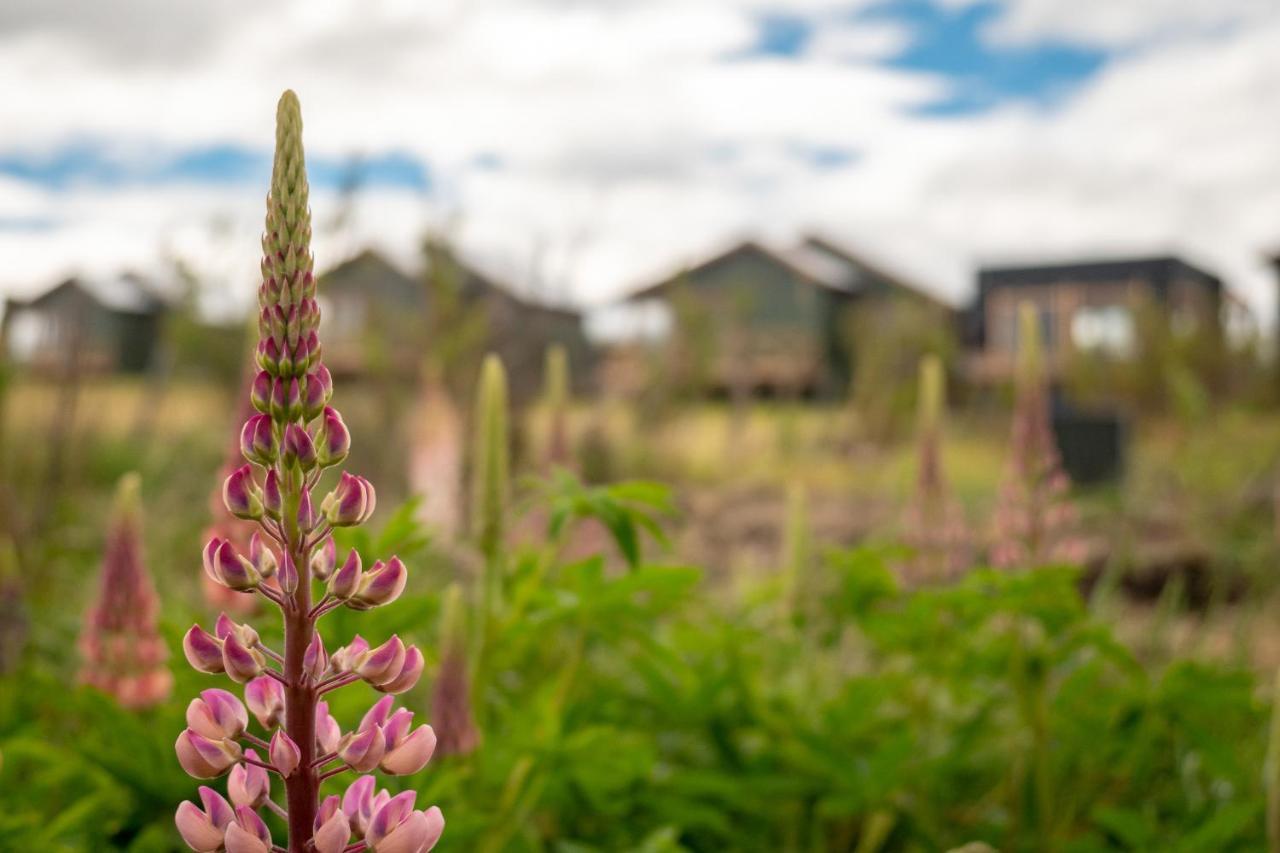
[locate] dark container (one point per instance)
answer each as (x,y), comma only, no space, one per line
(1093,444)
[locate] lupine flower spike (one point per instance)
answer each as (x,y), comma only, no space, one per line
(1035,521)
(435,455)
(291,439)
(556,394)
(451,695)
(934,526)
(123,652)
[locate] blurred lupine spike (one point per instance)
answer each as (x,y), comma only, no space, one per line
(797,552)
(1035,520)
(491,459)
(436,455)
(120,643)
(933,524)
(556,401)
(13,617)
(451,711)
(288,437)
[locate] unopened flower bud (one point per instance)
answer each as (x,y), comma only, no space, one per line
(285,754)
(272,499)
(383,664)
(265,698)
(241,495)
(242,664)
(248,833)
(204,758)
(258,440)
(328,733)
(294,399)
(362,750)
(324,560)
(203,650)
(315,660)
(280,398)
(382,584)
(217,714)
(298,448)
(332,829)
(333,440)
(233,570)
(203,830)
(261,556)
(306,515)
(408,753)
(346,580)
(410,672)
(260,392)
(244,632)
(398,826)
(346,658)
(350,503)
(318,393)
(210,559)
(269,359)
(288,575)
(248,784)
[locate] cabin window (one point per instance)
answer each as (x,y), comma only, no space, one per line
(1106,329)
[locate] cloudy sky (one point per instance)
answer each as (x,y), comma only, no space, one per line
(581,148)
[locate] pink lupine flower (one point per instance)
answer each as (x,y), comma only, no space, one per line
(1035,521)
(289,441)
(120,643)
(934,526)
(436,449)
(204,829)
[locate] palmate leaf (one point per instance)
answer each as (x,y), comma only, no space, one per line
(624,509)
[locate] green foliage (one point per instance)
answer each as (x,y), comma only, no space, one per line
(626,704)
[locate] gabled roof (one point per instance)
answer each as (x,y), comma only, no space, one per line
(371,267)
(860,269)
(805,267)
(125,293)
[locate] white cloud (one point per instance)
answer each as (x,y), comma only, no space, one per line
(625,144)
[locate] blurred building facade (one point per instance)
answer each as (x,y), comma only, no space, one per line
(379,318)
(768,321)
(96,325)
(1088,306)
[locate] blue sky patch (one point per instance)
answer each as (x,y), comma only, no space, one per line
(950,42)
(89,164)
(779,34)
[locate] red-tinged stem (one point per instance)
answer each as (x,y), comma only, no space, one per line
(302,788)
(324,759)
(271,653)
(328,774)
(256,763)
(337,681)
(277,676)
(277,808)
(355,848)
(256,741)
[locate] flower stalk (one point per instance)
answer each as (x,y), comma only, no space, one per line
(291,440)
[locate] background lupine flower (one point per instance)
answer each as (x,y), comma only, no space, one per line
(933,523)
(797,553)
(1035,521)
(556,401)
(451,711)
(436,456)
(491,460)
(120,643)
(291,439)
(13,617)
